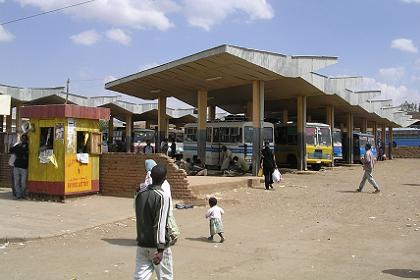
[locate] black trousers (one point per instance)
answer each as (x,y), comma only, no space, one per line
(268,177)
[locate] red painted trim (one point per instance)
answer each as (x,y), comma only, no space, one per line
(95,185)
(65,111)
(53,188)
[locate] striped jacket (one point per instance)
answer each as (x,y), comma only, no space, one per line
(152,209)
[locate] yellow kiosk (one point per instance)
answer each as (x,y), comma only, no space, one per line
(64,148)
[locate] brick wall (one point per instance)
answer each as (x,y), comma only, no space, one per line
(121,173)
(4,171)
(406,152)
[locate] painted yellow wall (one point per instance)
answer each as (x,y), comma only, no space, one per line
(76,176)
(39,171)
(79,176)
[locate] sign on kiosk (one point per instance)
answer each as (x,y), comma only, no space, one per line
(5,101)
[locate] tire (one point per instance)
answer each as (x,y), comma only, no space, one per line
(316,167)
(292,161)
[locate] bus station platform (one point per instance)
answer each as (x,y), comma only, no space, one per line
(208,185)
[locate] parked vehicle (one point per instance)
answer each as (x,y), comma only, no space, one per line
(359,142)
(337,144)
(319,149)
(237,136)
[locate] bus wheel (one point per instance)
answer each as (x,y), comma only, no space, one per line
(316,167)
(292,161)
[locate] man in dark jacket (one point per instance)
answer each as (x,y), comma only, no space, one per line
(152,209)
(20,169)
(268,163)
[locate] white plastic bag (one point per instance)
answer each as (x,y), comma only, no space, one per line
(277,176)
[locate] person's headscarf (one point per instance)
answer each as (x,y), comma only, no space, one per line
(149,164)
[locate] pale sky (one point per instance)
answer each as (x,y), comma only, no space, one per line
(107,39)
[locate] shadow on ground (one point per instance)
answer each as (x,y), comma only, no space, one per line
(121,241)
(347,191)
(200,239)
(403,273)
(412,185)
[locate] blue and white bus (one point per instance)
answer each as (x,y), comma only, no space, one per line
(337,144)
(359,142)
(237,136)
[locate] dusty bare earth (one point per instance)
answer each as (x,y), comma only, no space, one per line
(311,227)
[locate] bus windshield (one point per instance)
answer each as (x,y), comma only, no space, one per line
(337,138)
(143,135)
(267,134)
(324,136)
(310,135)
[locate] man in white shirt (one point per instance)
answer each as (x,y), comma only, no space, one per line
(368,164)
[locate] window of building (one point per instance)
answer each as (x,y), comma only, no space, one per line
(83,139)
(47,138)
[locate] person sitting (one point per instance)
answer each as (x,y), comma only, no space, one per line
(225,158)
(237,167)
(196,169)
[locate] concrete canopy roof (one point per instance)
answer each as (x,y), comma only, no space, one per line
(222,71)
(226,72)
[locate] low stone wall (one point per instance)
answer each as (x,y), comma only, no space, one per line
(121,173)
(5,171)
(406,152)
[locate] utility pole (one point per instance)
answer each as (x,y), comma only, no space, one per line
(67,90)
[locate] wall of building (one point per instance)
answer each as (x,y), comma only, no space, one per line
(121,173)
(406,152)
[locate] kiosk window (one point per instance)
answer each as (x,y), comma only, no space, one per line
(83,138)
(47,138)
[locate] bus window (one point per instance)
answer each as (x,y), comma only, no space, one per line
(208,134)
(216,135)
(362,141)
(310,135)
(281,135)
(235,135)
(248,134)
(268,134)
(337,138)
(143,136)
(191,134)
(324,136)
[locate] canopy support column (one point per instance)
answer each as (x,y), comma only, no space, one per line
(128,131)
(18,121)
(257,123)
(202,124)
(110,131)
(375,134)
(162,123)
(391,143)
(301,123)
(249,110)
(330,122)
(9,122)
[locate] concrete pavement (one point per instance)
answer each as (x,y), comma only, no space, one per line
(26,219)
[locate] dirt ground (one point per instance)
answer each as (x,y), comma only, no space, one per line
(310,227)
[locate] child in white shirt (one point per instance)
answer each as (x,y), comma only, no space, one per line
(215,215)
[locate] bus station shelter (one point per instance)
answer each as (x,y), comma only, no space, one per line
(261,85)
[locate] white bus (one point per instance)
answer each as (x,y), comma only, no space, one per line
(237,136)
